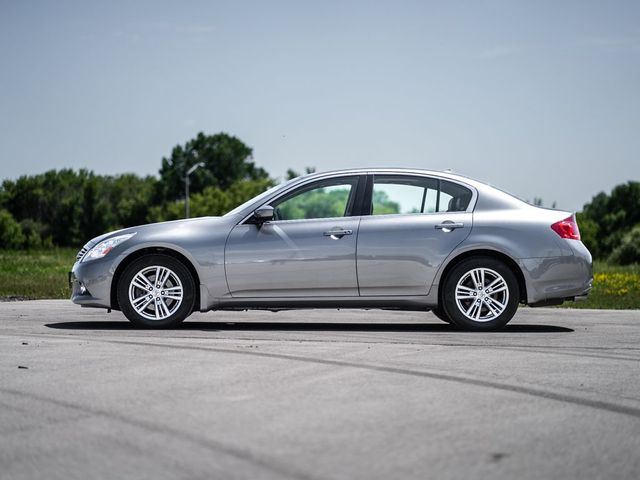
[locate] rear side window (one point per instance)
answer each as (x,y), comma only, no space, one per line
(399,194)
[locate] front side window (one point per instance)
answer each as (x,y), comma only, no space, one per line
(397,194)
(324,199)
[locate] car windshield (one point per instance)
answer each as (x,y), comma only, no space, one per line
(264,194)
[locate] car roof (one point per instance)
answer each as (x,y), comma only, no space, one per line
(402,170)
(491,197)
(495,196)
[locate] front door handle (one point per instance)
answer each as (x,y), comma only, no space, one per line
(448,226)
(337,233)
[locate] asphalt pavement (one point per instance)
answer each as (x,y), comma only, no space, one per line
(317,394)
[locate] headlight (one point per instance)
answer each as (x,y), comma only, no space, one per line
(105,246)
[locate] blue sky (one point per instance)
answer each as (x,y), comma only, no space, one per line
(539,98)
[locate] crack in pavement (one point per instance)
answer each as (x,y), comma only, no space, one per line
(521,389)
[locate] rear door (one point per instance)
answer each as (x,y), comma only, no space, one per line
(414,224)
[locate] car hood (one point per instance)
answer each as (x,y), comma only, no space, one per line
(164,227)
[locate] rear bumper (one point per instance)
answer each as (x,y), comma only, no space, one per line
(558,278)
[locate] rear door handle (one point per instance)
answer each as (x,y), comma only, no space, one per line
(338,233)
(448,226)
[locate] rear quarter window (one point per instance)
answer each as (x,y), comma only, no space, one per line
(453,197)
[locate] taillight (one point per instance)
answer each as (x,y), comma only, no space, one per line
(567,228)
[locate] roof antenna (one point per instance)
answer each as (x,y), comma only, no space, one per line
(448,170)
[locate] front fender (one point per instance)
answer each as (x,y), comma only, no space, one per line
(207,262)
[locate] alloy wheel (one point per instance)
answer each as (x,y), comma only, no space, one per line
(482,294)
(155,292)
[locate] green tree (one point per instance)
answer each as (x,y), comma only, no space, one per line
(615,214)
(124,200)
(35,234)
(245,190)
(291,173)
(589,232)
(628,251)
(212,201)
(53,198)
(226,160)
(65,207)
(10,232)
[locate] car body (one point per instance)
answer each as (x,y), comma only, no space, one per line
(361,238)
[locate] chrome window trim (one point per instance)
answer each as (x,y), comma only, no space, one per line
(305,180)
(303,220)
(295,186)
(392,215)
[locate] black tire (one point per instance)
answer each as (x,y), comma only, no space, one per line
(487,303)
(179,277)
(441,314)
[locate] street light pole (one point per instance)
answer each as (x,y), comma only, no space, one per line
(186,187)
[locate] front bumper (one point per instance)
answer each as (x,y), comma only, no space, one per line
(90,283)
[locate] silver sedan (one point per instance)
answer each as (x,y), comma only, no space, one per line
(363,238)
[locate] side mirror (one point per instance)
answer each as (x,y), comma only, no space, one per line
(263,214)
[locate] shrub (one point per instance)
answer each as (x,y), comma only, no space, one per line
(11,235)
(36,234)
(589,231)
(628,251)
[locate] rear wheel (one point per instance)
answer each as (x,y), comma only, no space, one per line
(156,291)
(481,293)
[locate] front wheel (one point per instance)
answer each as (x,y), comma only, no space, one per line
(441,314)
(481,293)
(156,291)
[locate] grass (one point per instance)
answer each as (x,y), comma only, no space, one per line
(613,287)
(43,274)
(34,274)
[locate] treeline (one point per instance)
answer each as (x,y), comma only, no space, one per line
(67,207)
(610,224)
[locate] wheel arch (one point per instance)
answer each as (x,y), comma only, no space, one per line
(506,259)
(149,251)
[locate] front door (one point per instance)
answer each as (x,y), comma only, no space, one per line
(415,223)
(307,250)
